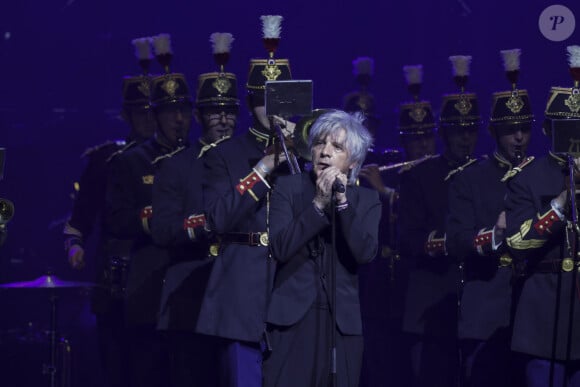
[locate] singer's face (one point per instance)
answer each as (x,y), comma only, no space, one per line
(512,139)
(331,151)
(460,141)
(174,121)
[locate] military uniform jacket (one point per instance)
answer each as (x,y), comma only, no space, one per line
(536,235)
(301,244)
(89,203)
(178,225)
(129,192)
(87,217)
(476,198)
(235,200)
(431,299)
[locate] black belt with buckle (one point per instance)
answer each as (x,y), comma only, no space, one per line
(246,238)
(556,265)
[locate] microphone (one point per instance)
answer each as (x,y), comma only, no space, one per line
(337,186)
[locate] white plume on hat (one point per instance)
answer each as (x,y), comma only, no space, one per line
(143,48)
(573,56)
(162,44)
(460,65)
(363,65)
(511,59)
(221,42)
(413,74)
(271,26)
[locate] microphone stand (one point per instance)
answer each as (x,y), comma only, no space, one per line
(332,262)
(292,162)
(572,234)
(573,248)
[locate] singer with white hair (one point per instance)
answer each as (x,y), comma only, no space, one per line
(315,295)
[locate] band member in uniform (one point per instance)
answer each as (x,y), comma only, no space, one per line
(383,281)
(362,100)
(301,217)
(87,213)
(129,216)
(180,225)
(543,241)
(430,310)
(475,234)
(237,180)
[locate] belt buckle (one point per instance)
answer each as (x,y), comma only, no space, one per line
(263,238)
(567,264)
(505,260)
(214,249)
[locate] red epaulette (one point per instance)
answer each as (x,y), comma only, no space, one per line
(545,222)
(193,222)
(434,245)
(247,183)
(483,241)
(145,215)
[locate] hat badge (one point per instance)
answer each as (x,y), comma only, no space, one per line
(515,103)
(463,106)
(144,88)
(170,87)
(271,71)
(573,101)
(417,113)
(222,84)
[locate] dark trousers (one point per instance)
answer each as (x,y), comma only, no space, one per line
(113,342)
(240,363)
(488,363)
(149,357)
(435,361)
(301,354)
(537,373)
(194,359)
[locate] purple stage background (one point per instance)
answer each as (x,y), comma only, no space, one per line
(62,61)
(61,64)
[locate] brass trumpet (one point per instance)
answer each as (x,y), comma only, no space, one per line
(6,211)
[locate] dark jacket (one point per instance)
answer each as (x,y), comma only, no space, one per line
(177,196)
(537,237)
(431,300)
(129,192)
(301,244)
(476,198)
(240,281)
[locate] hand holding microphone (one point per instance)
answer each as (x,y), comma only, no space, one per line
(338,187)
(330,182)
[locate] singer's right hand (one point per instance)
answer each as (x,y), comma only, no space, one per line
(324,182)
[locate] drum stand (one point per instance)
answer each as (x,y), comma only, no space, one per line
(50,368)
(58,376)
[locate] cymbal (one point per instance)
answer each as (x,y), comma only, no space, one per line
(47,282)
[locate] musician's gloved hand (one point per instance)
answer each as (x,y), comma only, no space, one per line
(324,193)
(286,126)
(76,257)
(267,164)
